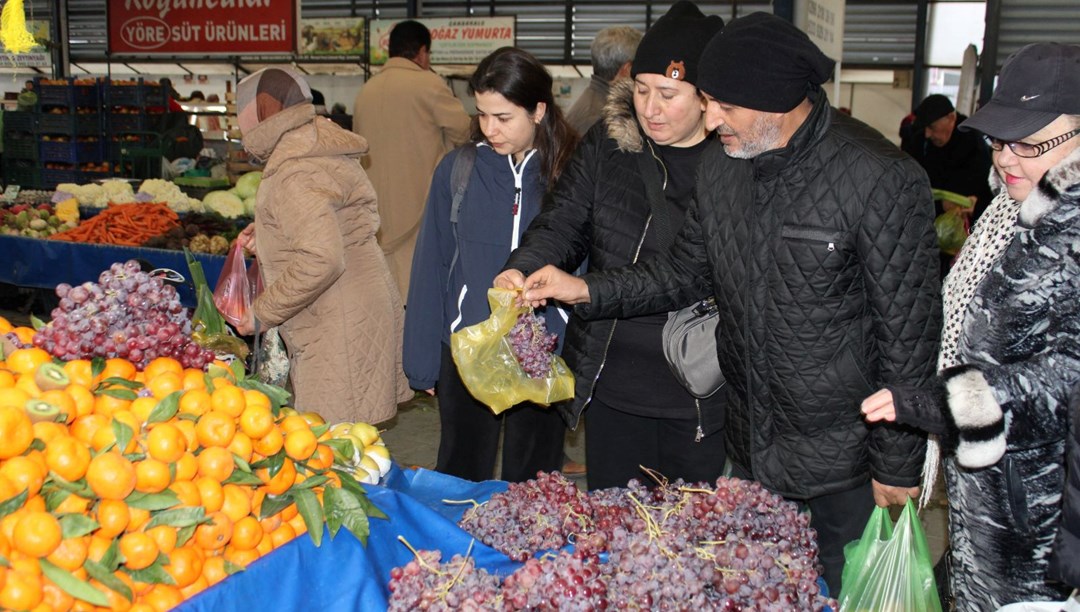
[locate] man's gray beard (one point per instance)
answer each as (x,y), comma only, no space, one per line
(763,135)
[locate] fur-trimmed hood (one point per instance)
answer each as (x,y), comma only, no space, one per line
(1062,178)
(620,119)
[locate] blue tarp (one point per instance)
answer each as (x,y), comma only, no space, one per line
(342,575)
(44,264)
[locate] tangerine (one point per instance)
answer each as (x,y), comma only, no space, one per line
(71,553)
(166,443)
(270,443)
(165,383)
(215,534)
(26,360)
(16,431)
(152,476)
(113,516)
(163,597)
(228,399)
(24,473)
(67,457)
(118,368)
(37,534)
(281,481)
(139,518)
(187,466)
(256,421)
(141,407)
(83,398)
(162,365)
(185,565)
(139,550)
(21,591)
(195,402)
(211,493)
(241,446)
(62,400)
(247,533)
(217,463)
(165,536)
(111,475)
(215,428)
(237,501)
(300,444)
(283,534)
(187,492)
(80,372)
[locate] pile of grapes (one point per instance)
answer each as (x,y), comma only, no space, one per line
(127,314)
(732,546)
(532,345)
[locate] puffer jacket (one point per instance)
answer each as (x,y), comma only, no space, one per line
(327,283)
(823,261)
(599,211)
(454,264)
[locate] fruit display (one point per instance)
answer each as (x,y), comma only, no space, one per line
(128,314)
(123,488)
(532,345)
(728,546)
(361,451)
(38,221)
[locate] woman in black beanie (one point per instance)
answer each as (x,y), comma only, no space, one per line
(623,198)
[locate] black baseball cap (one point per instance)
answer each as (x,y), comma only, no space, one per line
(931,109)
(1037,84)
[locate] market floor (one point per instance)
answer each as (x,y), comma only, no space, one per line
(413,439)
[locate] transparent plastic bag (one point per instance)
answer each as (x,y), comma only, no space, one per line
(889,569)
(233,294)
(489,369)
(952,231)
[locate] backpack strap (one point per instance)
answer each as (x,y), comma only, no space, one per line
(459,183)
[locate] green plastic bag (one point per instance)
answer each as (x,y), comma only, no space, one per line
(489,369)
(889,568)
(951,226)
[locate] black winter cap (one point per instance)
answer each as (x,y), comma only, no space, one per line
(762,62)
(673,44)
(931,109)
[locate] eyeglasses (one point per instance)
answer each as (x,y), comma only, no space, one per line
(1023,149)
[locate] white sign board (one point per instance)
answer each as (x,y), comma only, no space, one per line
(823,22)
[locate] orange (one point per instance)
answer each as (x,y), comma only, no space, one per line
(13,396)
(22,591)
(241,446)
(16,431)
(139,550)
(195,402)
(229,400)
(7,378)
(99,545)
(37,534)
(215,534)
(164,384)
(166,443)
(247,533)
(62,400)
(300,444)
(152,476)
(139,518)
(80,372)
(210,492)
(107,404)
(237,501)
(86,426)
(27,384)
(55,598)
(163,597)
(216,463)
(187,492)
(269,444)
(243,558)
(24,473)
(195,588)
(188,429)
(215,428)
(83,398)
(118,368)
(71,553)
(5,326)
(288,512)
(293,422)
(270,523)
(256,421)
(47,431)
(265,545)
(281,481)
(214,570)
(141,407)
(67,457)
(283,534)
(24,334)
(185,565)
(194,379)
(26,360)
(116,601)
(161,365)
(113,517)
(72,504)
(322,459)
(187,466)
(164,536)
(254,398)
(111,476)
(298,524)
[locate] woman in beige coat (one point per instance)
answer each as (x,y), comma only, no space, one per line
(327,284)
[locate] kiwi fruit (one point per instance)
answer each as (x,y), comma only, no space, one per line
(39,410)
(51,376)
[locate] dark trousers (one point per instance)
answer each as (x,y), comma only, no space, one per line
(838,518)
(532,440)
(618,444)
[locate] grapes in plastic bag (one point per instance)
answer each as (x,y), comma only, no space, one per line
(952,231)
(889,569)
(489,368)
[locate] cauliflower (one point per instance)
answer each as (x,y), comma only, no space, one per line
(160,190)
(94,195)
(224,203)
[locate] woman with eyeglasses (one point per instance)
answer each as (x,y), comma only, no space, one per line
(1010,349)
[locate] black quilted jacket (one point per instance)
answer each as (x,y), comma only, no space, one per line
(1065,561)
(822,256)
(598,212)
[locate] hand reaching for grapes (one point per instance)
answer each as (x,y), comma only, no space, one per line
(246,238)
(550,282)
(509,279)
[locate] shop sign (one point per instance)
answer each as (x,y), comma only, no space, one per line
(39,56)
(454,40)
(332,36)
(203,27)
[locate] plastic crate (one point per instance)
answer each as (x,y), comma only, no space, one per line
(71,152)
(137,93)
(51,177)
(115,146)
(69,94)
(20,121)
(25,146)
(25,174)
(69,123)
(125,122)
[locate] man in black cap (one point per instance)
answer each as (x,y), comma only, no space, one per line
(955,160)
(816,237)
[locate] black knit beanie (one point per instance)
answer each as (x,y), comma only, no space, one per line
(673,44)
(762,62)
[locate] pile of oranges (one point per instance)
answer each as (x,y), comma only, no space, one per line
(150,486)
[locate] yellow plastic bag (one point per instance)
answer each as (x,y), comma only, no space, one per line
(489,369)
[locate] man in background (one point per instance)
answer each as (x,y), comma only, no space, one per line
(612,52)
(410,119)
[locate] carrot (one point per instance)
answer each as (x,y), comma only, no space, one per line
(123,224)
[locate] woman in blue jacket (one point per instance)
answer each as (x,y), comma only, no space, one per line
(521,144)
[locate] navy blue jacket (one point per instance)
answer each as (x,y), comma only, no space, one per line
(443,300)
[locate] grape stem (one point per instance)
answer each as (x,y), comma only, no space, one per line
(416,554)
(452,502)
